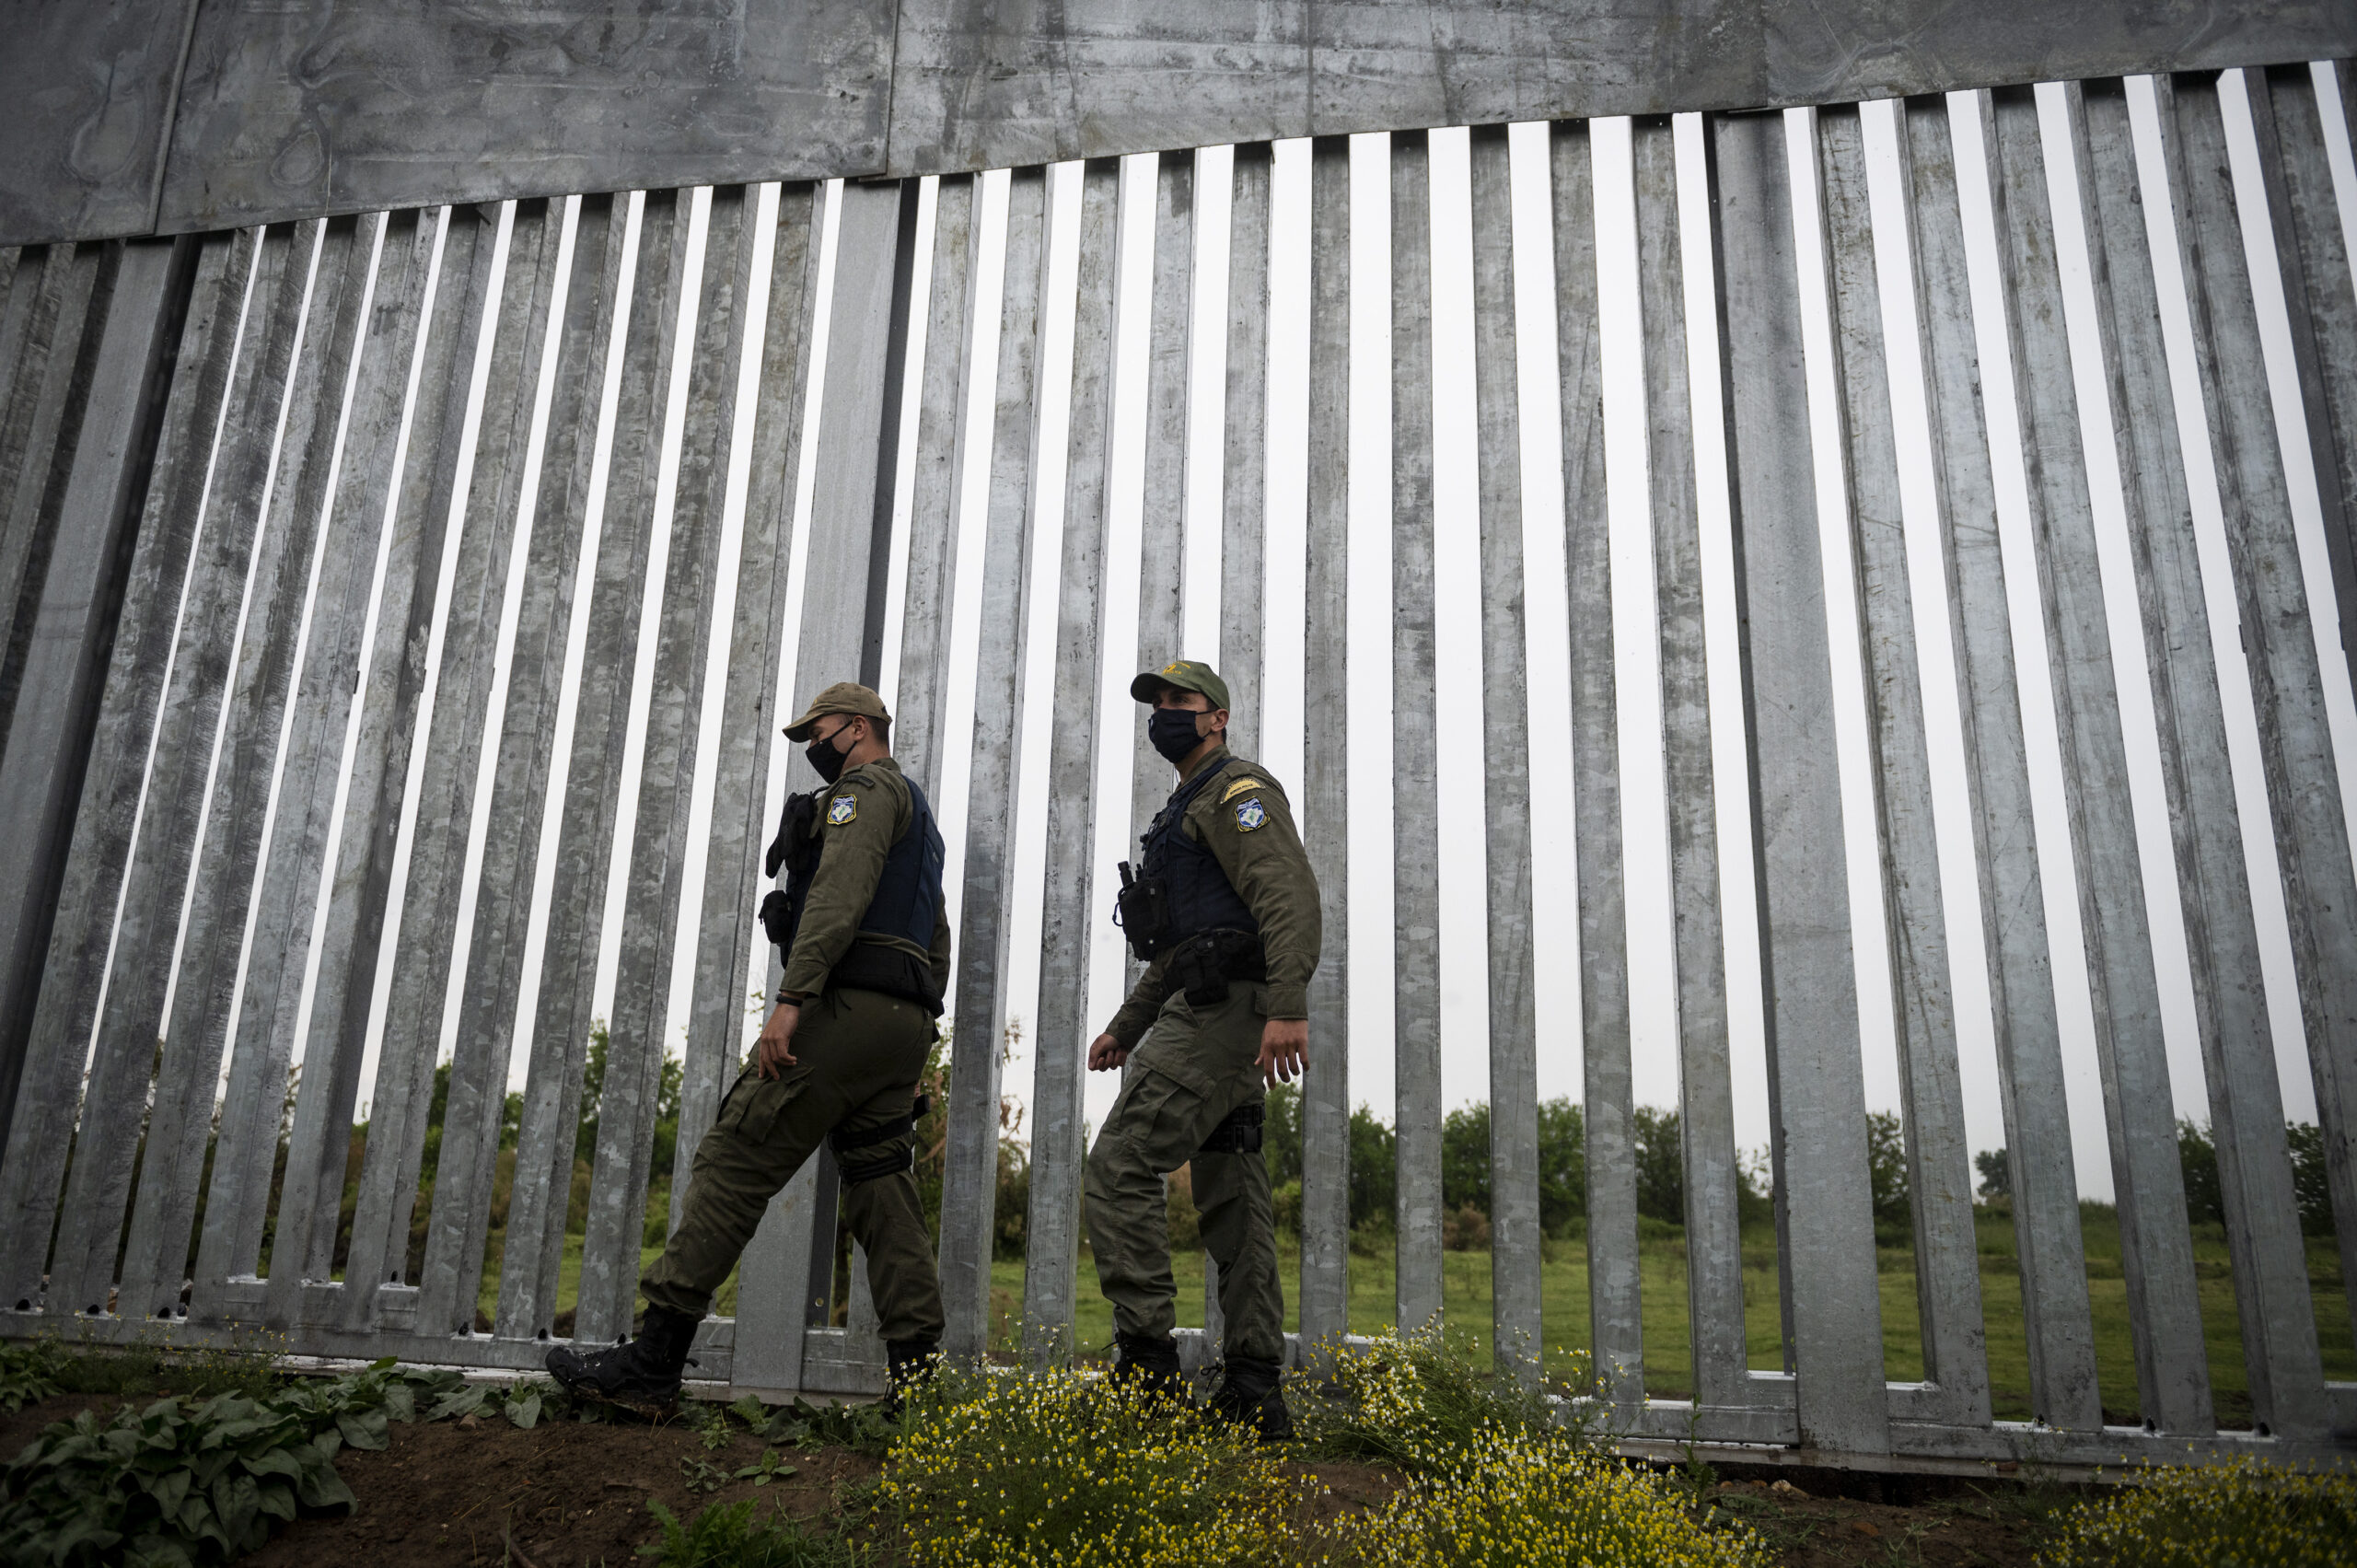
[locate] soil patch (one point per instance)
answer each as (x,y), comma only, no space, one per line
(574,1494)
(567,1494)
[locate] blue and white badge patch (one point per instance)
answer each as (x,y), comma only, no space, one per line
(1250,814)
(841,809)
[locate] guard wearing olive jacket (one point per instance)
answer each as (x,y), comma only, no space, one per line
(1225,910)
(860,925)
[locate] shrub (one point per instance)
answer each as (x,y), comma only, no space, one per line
(1416,1401)
(1054,1469)
(1515,1499)
(2241,1513)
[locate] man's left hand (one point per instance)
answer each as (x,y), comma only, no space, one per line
(1284,1048)
(777,1039)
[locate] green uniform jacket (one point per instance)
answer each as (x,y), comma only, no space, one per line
(1268,868)
(855,840)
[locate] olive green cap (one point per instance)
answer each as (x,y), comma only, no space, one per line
(842,697)
(1186,675)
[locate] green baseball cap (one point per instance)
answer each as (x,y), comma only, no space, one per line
(1186,675)
(847,697)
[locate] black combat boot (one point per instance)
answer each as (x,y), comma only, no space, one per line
(911,1363)
(642,1376)
(1153,1364)
(1249,1396)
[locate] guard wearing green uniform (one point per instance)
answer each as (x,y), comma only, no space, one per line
(1225,910)
(861,923)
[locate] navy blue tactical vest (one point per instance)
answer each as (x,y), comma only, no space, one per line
(909,893)
(1202,897)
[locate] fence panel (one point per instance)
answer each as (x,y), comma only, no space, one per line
(1954,507)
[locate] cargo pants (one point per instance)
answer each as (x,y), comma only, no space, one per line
(857,1057)
(1195,1065)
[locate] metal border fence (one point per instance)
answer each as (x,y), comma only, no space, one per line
(1951,531)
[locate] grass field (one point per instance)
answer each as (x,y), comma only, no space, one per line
(1661,1264)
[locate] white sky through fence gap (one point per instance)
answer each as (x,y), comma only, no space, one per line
(1367,617)
(904,461)
(753,315)
(973,500)
(827,213)
(1284,543)
(1869,943)
(1546,613)
(1721,638)
(1456,628)
(373,1030)
(1927,580)
(1117,717)
(331,839)
(1214,208)
(293,698)
(1651,933)
(2123,615)
(630,212)
(253,238)
(237,648)
(2245,755)
(2302,483)
(2024,594)
(651,599)
(519,555)
(1052,449)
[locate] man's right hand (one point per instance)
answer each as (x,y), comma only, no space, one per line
(1105,1052)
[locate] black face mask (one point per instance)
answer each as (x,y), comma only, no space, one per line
(1171,731)
(824,760)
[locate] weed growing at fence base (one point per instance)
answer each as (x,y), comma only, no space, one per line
(2241,1513)
(726,1535)
(1515,1501)
(1419,1399)
(1058,1469)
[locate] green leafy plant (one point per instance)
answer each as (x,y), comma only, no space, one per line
(767,1468)
(172,1485)
(712,1424)
(185,1480)
(726,1535)
(863,1428)
(27,1374)
(699,1476)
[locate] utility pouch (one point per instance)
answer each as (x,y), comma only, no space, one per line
(1241,1132)
(1203,964)
(1142,909)
(794,847)
(777,918)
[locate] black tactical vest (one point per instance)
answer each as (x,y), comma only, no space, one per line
(907,896)
(1201,897)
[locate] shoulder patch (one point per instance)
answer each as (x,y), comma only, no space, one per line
(1239,787)
(841,809)
(1249,815)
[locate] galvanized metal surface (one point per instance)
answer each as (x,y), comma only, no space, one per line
(164,115)
(1954,507)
